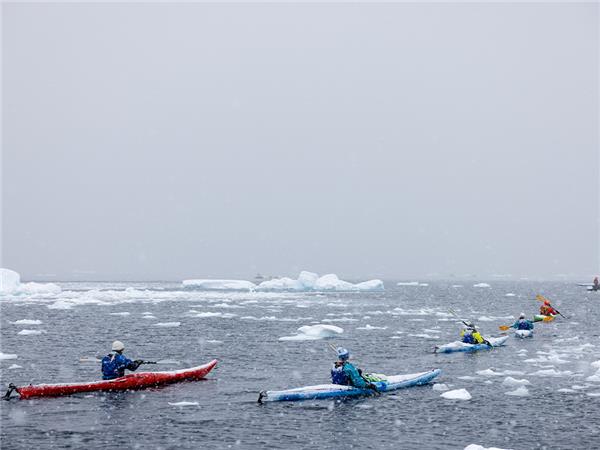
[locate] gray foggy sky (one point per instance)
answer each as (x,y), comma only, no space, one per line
(155,141)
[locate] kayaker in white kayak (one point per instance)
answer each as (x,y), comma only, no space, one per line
(115,363)
(522,323)
(346,374)
(470,335)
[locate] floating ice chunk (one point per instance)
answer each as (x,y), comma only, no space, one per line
(314,332)
(595,377)
(341,319)
(510,381)
(481,285)
(30,332)
(567,391)
(371,285)
(39,288)
(15,366)
(369,327)
(27,322)
(331,282)
(489,373)
(219,285)
(593,394)
(124,313)
(167,324)
(9,281)
(440,387)
(595,364)
(184,404)
(204,315)
(7,356)
(407,283)
(149,317)
(551,373)
(457,285)
(468,378)
(424,335)
(457,394)
(521,391)
(510,294)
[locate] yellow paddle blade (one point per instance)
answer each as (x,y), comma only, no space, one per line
(548,319)
(504,327)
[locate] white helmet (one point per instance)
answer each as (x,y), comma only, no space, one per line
(522,316)
(118,346)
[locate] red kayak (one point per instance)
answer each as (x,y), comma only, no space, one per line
(139,380)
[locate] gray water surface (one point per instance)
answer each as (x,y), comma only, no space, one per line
(82,321)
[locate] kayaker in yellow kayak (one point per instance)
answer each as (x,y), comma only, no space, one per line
(115,363)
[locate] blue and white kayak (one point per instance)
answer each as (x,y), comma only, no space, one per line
(459,346)
(323,391)
(524,333)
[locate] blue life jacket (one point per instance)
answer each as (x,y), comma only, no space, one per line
(524,325)
(114,365)
(338,376)
(469,339)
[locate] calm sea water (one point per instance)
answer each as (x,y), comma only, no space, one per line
(562,410)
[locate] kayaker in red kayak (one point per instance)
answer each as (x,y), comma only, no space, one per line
(115,363)
(547,310)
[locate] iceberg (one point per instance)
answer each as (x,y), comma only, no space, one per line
(306,282)
(314,332)
(219,285)
(481,285)
(10,283)
(457,394)
(521,391)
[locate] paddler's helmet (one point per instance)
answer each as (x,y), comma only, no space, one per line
(342,353)
(118,346)
(522,316)
(546,302)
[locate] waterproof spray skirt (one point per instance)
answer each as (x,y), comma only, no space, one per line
(459,346)
(139,380)
(323,391)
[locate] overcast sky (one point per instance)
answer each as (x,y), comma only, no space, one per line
(157,141)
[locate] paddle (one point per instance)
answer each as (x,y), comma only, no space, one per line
(541,298)
(545,319)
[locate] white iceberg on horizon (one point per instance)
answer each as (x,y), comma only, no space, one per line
(306,282)
(314,332)
(10,284)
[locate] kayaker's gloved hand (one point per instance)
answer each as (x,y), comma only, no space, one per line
(373,387)
(139,362)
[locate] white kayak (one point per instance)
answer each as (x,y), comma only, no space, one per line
(524,333)
(459,346)
(323,391)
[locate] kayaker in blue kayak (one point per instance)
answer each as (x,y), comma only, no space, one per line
(345,373)
(470,335)
(522,323)
(115,363)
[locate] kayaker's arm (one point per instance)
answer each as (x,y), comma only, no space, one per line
(355,379)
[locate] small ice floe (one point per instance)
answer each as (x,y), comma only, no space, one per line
(595,364)
(15,366)
(521,391)
(594,378)
(457,394)
(7,356)
(551,373)
(149,317)
(489,373)
(225,305)
(513,382)
(370,327)
(481,285)
(314,332)
(566,391)
(510,294)
(457,285)
(407,283)
(204,315)
(440,387)
(468,378)
(213,341)
(123,313)
(167,324)
(27,322)
(593,394)
(184,404)
(481,447)
(340,319)
(30,332)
